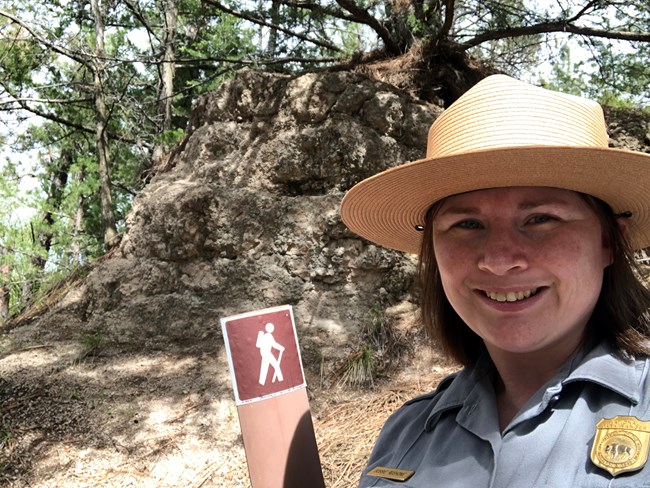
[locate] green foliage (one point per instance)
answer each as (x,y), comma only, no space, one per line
(374,352)
(620,78)
(360,368)
(7,441)
(93,342)
(47,69)
(6,438)
(15,245)
(170,137)
(376,331)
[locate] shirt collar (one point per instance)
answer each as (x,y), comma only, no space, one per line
(601,366)
(609,369)
(462,388)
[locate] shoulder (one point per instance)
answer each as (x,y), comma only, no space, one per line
(442,386)
(409,420)
(611,370)
(403,429)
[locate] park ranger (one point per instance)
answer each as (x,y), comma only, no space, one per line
(526,224)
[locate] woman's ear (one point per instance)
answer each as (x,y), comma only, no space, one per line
(622,222)
(622,227)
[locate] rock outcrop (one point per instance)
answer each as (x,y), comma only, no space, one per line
(247,217)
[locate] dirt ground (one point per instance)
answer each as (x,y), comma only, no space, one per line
(78,412)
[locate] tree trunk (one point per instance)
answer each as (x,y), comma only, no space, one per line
(103,154)
(53,201)
(76,250)
(58,170)
(272,45)
(167,73)
(5,290)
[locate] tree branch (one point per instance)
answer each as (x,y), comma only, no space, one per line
(319,9)
(362,16)
(450,7)
(584,10)
(264,23)
(55,118)
(549,27)
(202,63)
(355,14)
(82,59)
(137,13)
(60,101)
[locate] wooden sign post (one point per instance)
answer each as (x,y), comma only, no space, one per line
(271,396)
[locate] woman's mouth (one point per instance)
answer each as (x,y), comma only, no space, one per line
(511,296)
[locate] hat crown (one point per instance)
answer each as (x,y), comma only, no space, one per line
(503,133)
(503,112)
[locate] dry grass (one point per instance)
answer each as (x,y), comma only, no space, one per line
(400,71)
(154,418)
(347,420)
(347,432)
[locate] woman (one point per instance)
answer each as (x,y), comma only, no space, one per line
(525,222)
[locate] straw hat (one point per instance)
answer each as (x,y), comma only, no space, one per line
(503,132)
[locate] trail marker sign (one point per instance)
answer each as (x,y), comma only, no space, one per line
(263,354)
(271,396)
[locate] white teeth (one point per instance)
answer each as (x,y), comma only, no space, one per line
(511,296)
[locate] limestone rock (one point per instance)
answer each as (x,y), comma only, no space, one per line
(248,217)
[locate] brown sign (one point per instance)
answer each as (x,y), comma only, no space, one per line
(263,354)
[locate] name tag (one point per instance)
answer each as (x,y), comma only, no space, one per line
(391,473)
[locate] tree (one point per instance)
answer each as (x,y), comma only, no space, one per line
(93,60)
(109,106)
(96,64)
(456,41)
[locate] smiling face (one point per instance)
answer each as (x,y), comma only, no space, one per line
(522,266)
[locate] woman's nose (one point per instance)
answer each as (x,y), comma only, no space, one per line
(503,252)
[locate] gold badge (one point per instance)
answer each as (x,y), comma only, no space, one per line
(391,473)
(621,444)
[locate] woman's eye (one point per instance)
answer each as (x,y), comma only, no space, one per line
(469,224)
(541,219)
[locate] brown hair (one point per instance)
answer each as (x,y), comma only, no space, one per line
(621,316)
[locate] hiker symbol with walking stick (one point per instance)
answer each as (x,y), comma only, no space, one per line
(266,343)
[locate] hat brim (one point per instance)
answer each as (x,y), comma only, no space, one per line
(387,207)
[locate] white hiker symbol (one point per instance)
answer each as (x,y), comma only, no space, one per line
(266,343)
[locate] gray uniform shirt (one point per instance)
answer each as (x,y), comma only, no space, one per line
(451,437)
